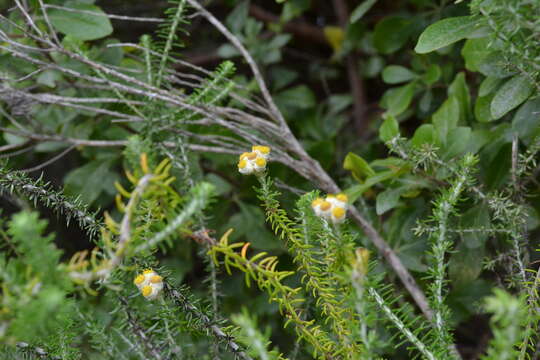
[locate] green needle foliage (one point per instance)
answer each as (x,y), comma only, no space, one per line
(37,190)
(408,232)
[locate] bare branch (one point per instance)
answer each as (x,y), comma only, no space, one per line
(247,56)
(110,16)
(50,161)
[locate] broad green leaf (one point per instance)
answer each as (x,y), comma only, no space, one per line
(424,134)
(496,65)
(488,85)
(238,17)
(448,31)
(388,200)
(392,163)
(361,10)
(221,185)
(479,138)
(446,118)
(527,119)
(227,51)
(354,192)
(397,100)
(12,139)
(474,52)
(110,55)
(412,259)
(424,105)
(391,33)
(300,97)
(477,217)
(460,90)
(389,129)
(511,95)
(49,78)
(432,75)
(50,146)
(464,298)
(338,103)
(81,26)
(87,180)
(395,74)
(482,108)
(498,169)
(458,141)
(250,220)
(373,67)
(282,76)
(292,9)
(464,266)
(358,166)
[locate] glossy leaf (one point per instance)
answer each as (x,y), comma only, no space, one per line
(482,108)
(389,129)
(424,134)
(81,26)
(361,10)
(526,122)
(432,75)
(460,90)
(358,166)
(514,92)
(458,141)
(446,118)
(488,85)
(474,52)
(395,74)
(388,200)
(391,33)
(397,100)
(448,31)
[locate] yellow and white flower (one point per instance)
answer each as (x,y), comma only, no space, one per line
(149,283)
(262,151)
(333,208)
(254,161)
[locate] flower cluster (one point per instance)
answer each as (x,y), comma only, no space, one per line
(333,208)
(149,283)
(254,161)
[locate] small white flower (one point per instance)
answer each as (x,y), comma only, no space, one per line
(333,208)
(262,151)
(149,283)
(339,200)
(338,215)
(322,207)
(254,161)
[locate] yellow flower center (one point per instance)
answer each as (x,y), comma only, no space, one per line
(251,156)
(148,271)
(325,205)
(262,149)
(317,202)
(147,290)
(338,212)
(260,162)
(243,155)
(156,279)
(138,280)
(342,197)
(242,164)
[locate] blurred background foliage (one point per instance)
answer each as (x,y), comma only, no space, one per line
(345,75)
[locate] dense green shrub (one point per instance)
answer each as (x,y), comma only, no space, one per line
(387,208)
